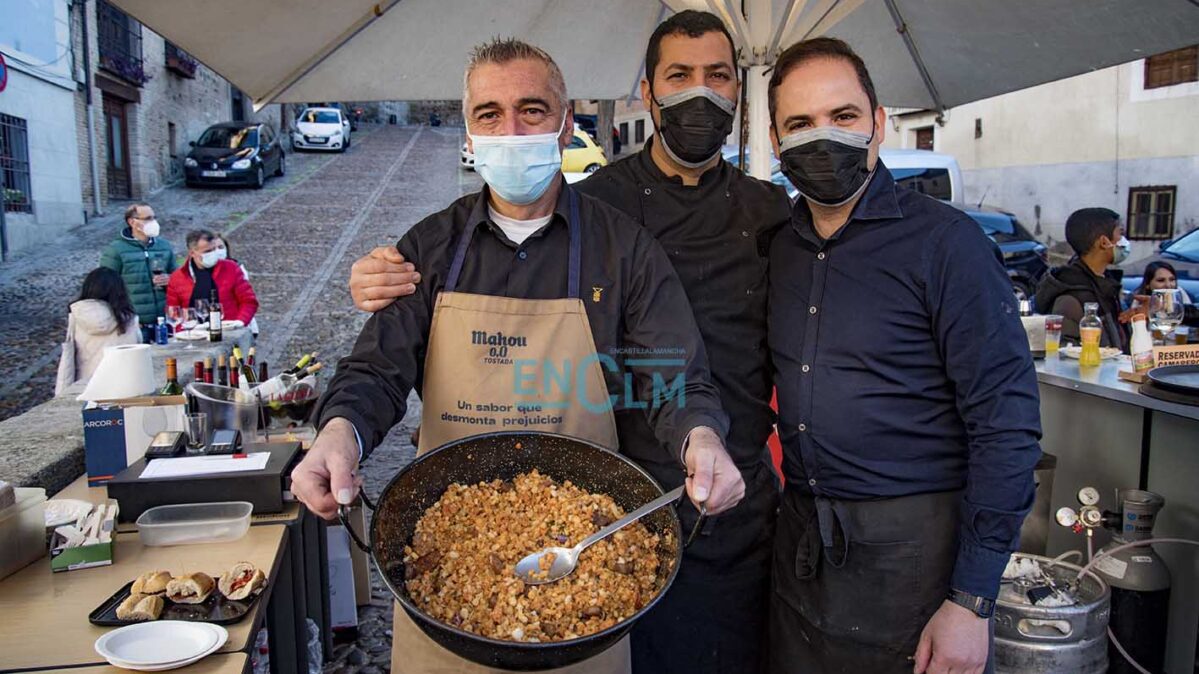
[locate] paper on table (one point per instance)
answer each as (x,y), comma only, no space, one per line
(204,465)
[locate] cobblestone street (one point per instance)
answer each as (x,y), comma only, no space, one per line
(298,238)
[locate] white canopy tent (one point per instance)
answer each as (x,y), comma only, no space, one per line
(921,53)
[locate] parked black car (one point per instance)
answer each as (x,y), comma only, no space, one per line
(1025,258)
(234,153)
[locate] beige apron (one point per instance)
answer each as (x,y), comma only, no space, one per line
(507,364)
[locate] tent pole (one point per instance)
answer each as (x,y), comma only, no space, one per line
(760,150)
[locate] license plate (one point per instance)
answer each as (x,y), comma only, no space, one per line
(212,174)
(318,140)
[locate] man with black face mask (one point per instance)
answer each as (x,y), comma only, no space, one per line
(908,406)
(714,222)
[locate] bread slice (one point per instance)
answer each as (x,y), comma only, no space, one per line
(242,581)
(139,607)
(151,582)
(192,588)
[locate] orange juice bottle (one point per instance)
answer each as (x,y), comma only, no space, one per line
(1089,330)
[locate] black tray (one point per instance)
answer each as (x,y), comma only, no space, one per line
(216,609)
(1177,378)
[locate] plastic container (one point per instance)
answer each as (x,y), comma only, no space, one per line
(188,523)
(23,530)
(226,407)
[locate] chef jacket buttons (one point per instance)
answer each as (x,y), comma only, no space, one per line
(745,234)
(812,310)
(812,482)
(802,428)
(819,256)
(523,254)
(805,368)
(647,191)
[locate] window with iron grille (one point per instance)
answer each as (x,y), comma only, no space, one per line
(1172,67)
(120,42)
(1151,212)
(14,165)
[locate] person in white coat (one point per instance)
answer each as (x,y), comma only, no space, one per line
(103,316)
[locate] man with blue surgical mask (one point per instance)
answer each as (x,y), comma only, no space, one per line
(715,221)
(908,406)
(525,274)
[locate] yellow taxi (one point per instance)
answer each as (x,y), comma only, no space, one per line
(582,155)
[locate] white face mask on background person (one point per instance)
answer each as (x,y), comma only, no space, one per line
(208,260)
(150,228)
(1121,251)
(222,254)
(519,169)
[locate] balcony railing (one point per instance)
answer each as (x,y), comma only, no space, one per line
(120,41)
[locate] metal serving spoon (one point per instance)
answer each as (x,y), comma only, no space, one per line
(530,570)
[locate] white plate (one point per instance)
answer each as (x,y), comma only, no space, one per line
(1105,353)
(192,335)
(60,511)
(161,644)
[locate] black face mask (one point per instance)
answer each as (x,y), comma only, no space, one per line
(693,125)
(826,164)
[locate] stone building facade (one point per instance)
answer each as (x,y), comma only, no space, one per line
(149,100)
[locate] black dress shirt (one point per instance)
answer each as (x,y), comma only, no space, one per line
(716,235)
(902,368)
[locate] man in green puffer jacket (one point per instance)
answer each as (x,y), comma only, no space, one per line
(145,263)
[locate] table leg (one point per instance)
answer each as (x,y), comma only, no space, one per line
(280,620)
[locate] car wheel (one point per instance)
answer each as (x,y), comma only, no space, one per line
(282,165)
(591,168)
(259,178)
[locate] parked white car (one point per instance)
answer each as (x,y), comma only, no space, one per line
(321,129)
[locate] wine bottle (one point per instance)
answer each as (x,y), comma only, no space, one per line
(172,387)
(234,375)
(198,372)
(214,318)
(300,364)
(208,373)
(244,367)
(222,370)
(263,375)
(278,385)
(250,360)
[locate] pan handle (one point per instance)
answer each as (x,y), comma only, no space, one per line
(699,525)
(343,514)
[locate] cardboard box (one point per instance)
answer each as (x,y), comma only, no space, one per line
(83,557)
(358,558)
(116,433)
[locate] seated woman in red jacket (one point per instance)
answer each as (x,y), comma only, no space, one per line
(205,272)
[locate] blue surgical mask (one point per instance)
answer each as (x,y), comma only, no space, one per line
(519,169)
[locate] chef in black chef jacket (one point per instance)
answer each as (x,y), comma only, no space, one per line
(714,223)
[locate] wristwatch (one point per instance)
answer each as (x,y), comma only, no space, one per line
(979,606)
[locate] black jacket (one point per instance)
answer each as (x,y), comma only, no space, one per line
(1064,290)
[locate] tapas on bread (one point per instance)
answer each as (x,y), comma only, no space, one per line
(194,596)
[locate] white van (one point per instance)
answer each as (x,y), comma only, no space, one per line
(932,173)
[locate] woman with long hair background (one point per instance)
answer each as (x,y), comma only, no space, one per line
(102,316)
